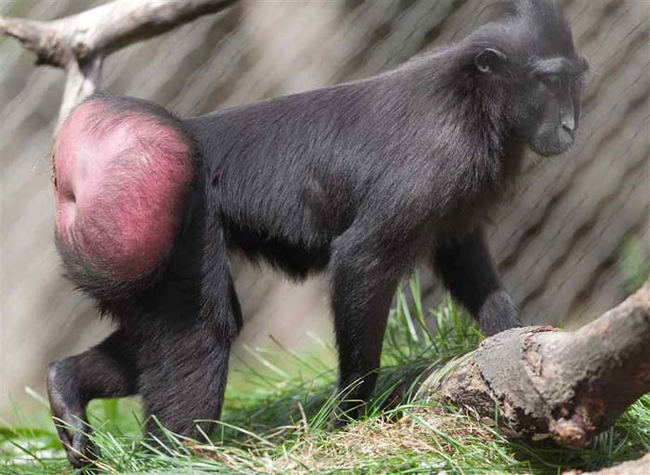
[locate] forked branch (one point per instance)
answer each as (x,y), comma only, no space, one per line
(79,43)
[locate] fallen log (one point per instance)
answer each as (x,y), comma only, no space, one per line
(541,382)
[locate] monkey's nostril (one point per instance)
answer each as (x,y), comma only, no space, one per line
(569,125)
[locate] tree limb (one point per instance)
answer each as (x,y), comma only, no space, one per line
(79,43)
(569,386)
(115,25)
(39,37)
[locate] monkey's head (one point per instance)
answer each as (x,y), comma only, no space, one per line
(530,58)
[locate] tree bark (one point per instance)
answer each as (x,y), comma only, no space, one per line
(541,382)
(636,467)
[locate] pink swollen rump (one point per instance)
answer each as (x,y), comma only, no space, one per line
(121,185)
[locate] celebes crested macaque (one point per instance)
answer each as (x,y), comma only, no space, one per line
(362,181)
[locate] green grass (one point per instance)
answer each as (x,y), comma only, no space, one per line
(277,411)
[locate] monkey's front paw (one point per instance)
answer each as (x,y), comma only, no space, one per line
(345,412)
(503,323)
(498,314)
(336,421)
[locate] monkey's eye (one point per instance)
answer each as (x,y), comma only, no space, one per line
(551,80)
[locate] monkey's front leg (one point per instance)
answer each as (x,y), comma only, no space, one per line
(468,271)
(107,370)
(362,289)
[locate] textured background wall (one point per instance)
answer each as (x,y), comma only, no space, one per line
(558,240)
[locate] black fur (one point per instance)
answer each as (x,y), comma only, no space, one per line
(363,181)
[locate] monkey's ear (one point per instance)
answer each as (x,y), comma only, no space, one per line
(490,61)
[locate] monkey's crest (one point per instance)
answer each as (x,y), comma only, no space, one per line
(545,22)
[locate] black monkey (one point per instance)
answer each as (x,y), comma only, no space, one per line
(362,180)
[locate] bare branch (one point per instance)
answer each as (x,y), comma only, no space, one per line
(82,82)
(123,22)
(39,37)
(103,29)
(79,43)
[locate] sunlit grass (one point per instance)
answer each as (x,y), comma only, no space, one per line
(277,410)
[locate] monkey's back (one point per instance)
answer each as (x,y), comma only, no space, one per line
(285,171)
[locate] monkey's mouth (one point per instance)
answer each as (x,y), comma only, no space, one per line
(552,144)
(548,150)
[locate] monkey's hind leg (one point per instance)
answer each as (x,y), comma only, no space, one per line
(183,377)
(185,355)
(107,370)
